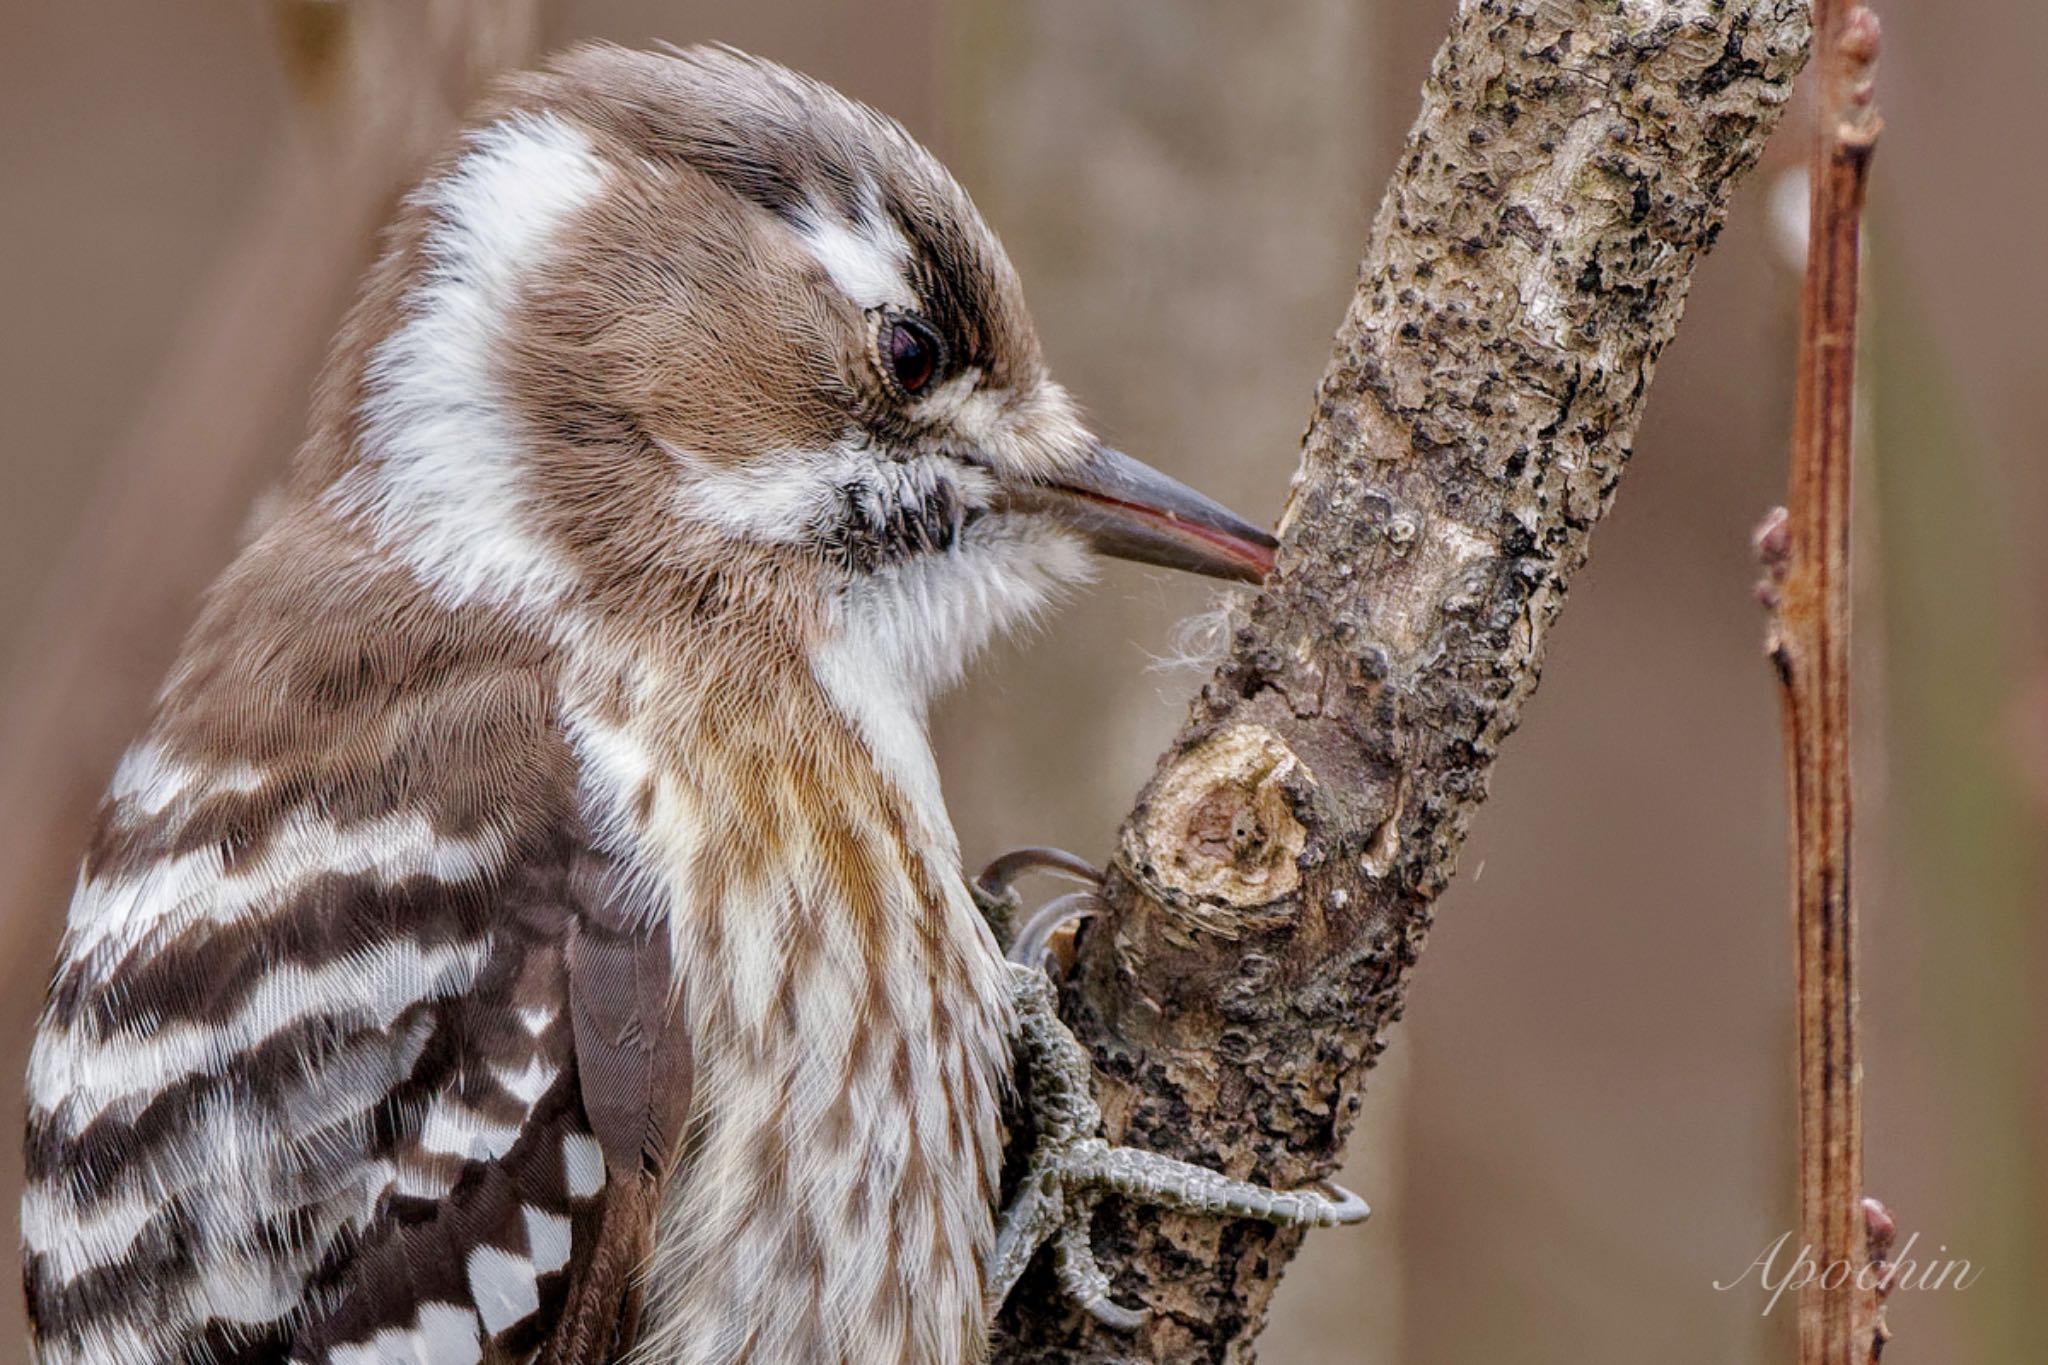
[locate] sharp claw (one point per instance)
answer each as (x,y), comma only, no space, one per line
(1029,947)
(1082,1276)
(1114,1315)
(1349,1208)
(996,879)
(996,895)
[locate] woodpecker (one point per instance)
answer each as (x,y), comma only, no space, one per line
(530,927)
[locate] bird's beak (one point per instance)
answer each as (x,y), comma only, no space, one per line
(1129,510)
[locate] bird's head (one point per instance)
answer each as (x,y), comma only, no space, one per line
(692,331)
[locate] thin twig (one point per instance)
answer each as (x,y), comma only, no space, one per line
(1807,552)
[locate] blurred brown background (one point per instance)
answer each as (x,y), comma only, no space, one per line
(1586,1117)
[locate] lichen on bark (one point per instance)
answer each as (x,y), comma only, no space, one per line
(1572,161)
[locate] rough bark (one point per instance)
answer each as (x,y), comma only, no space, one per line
(1186,255)
(1273,887)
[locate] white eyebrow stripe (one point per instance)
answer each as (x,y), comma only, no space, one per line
(869,263)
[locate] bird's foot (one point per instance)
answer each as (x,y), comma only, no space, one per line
(1071,1168)
(995,892)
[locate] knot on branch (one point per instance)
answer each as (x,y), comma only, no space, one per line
(1216,840)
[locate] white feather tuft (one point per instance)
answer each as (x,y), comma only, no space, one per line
(440,480)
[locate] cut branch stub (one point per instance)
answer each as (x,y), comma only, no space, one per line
(1215,841)
(1571,163)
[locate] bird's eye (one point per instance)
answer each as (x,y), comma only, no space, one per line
(912,353)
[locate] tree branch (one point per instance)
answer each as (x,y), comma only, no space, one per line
(1274,884)
(1841,1320)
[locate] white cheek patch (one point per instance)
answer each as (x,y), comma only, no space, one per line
(867,263)
(772,499)
(441,445)
(1029,433)
(787,498)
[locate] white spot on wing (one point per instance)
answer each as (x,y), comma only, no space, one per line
(582,1165)
(454,1129)
(244,1288)
(77,1076)
(148,781)
(528,1085)
(116,1340)
(504,1287)
(446,1335)
(421,1182)
(547,1238)
(73,1242)
(125,914)
(449,1335)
